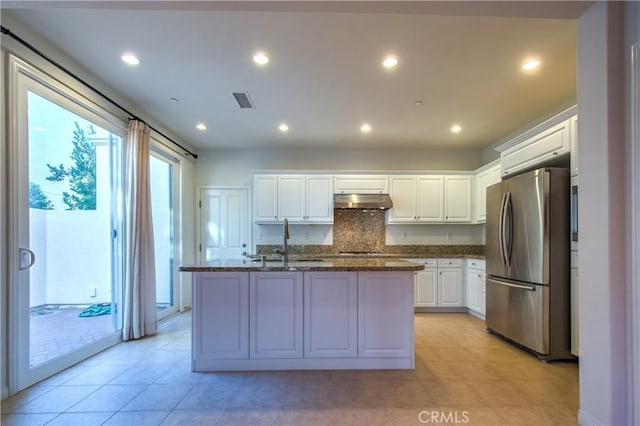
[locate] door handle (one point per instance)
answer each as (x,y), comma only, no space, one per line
(501,229)
(523,287)
(32,258)
(508,241)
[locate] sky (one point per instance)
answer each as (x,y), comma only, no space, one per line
(51,130)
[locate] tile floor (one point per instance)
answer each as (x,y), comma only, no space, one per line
(463,376)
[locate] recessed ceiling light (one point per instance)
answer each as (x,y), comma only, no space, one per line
(390,62)
(174,100)
(531,64)
(261,58)
(419,103)
(283,127)
(201,126)
(130,59)
(456,128)
(365,128)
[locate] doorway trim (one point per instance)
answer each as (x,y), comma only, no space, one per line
(634,320)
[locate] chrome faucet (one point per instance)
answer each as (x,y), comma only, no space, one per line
(284,251)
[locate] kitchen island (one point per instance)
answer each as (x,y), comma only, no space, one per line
(304,314)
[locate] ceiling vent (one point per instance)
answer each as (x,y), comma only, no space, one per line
(243,100)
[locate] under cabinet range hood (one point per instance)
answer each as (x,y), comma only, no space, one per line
(362,201)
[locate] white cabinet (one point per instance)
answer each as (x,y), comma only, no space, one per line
(318,199)
(330,314)
(291,198)
(430,199)
(265,198)
(298,198)
(385,314)
(457,198)
(440,284)
(573,129)
(416,199)
(475,287)
(361,184)
(426,284)
(575,292)
(543,147)
(275,307)
(221,315)
(482,181)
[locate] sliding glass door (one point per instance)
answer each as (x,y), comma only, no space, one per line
(67,271)
(164,171)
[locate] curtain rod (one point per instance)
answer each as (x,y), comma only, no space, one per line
(132,116)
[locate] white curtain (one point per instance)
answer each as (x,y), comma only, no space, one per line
(139,272)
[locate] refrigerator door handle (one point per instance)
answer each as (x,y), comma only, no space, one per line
(508,284)
(508,233)
(503,229)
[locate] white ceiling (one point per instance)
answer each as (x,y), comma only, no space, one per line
(325,76)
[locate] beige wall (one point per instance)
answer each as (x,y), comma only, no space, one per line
(236,166)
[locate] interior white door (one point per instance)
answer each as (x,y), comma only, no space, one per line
(224,224)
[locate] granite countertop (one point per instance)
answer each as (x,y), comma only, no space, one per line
(315,264)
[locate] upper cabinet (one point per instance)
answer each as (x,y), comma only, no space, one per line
(537,150)
(457,199)
(298,198)
(360,184)
(483,179)
(430,199)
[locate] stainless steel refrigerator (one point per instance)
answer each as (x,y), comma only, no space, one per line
(527,237)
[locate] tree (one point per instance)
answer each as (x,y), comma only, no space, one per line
(82,174)
(38,199)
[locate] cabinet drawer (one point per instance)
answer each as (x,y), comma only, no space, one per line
(476,264)
(428,263)
(449,263)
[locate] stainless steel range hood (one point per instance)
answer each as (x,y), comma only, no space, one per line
(362,201)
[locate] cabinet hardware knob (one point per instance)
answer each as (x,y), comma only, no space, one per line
(275,217)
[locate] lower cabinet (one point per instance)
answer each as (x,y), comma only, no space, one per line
(385,314)
(476,287)
(275,312)
(221,299)
(440,285)
(330,314)
(302,320)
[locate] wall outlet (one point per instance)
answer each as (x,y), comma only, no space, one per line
(93,291)
(306,235)
(449,236)
(404,235)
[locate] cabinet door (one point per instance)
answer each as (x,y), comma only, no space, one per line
(481,183)
(546,145)
(361,184)
(221,315)
(275,313)
(403,195)
(319,199)
(385,314)
(265,198)
(330,314)
(457,198)
(430,199)
(426,288)
(291,198)
(450,289)
(474,290)
(575,343)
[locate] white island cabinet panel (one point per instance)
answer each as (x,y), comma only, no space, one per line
(330,314)
(275,306)
(221,315)
(385,314)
